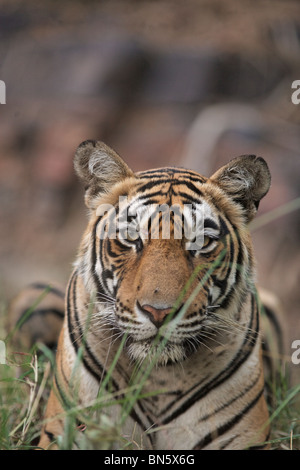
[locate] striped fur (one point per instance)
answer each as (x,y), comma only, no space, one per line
(207,359)
(36,315)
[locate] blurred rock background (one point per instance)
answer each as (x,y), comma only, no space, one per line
(164,82)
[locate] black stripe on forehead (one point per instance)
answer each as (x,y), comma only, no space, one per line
(175,185)
(156,173)
(171,172)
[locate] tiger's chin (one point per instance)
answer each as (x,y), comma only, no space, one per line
(157,353)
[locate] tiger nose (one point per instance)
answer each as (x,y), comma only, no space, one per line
(156,315)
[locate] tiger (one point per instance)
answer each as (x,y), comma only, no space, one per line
(183,308)
(35,315)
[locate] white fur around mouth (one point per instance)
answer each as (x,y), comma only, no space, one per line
(156,352)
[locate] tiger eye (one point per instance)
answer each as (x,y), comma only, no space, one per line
(206,241)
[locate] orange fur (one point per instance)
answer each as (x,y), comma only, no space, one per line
(210,368)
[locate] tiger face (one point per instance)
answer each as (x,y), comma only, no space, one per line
(167,251)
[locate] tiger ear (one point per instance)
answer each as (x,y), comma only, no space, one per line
(99,167)
(247,180)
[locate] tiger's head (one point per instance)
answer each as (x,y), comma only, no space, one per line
(167,250)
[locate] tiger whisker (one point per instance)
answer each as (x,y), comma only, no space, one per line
(197,340)
(227,328)
(105,296)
